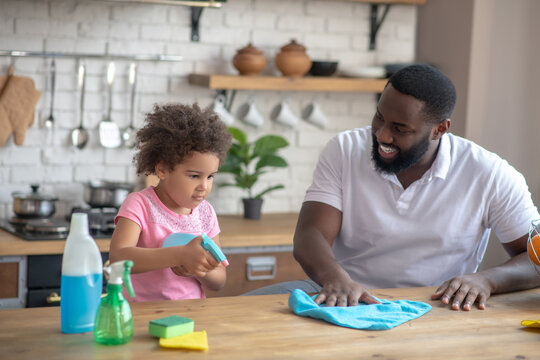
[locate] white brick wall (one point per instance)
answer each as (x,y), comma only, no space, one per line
(329,29)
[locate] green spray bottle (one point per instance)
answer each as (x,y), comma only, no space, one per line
(114,322)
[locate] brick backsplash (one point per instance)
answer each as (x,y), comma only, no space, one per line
(329,29)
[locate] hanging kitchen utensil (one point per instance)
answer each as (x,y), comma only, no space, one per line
(129,133)
(109,134)
(79,136)
(50,120)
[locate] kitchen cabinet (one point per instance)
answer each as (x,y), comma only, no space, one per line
(44,274)
(259,251)
(12,281)
(252,268)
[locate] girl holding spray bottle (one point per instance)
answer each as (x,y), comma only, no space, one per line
(183,146)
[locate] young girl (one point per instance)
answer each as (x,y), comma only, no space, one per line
(184,146)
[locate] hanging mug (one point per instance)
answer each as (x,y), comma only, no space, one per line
(248,113)
(313,114)
(220,109)
(283,114)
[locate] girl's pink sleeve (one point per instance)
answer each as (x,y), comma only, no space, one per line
(133,209)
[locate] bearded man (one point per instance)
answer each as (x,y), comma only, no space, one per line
(405,203)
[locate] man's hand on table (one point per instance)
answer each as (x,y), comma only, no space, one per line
(344,292)
(464,291)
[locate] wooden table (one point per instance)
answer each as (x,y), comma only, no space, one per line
(263,327)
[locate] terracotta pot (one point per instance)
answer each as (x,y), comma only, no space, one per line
(249,60)
(292,60)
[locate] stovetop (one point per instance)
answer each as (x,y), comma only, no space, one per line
(100,225)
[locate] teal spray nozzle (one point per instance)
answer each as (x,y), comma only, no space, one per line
(114,322)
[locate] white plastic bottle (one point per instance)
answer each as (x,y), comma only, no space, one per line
(82,277)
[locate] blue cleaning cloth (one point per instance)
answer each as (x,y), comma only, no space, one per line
(382,316)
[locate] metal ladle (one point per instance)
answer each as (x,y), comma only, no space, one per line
(50,120)
(128,135)
(79,136)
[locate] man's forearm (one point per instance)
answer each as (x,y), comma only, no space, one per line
(317,258)
(518,273)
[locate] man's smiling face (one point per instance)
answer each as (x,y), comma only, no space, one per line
(401,133)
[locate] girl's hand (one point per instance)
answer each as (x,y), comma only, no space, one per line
(180,271)
(195,260)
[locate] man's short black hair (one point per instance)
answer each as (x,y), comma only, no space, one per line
(428,85)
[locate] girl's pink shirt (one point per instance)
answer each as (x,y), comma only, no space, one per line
(156,221)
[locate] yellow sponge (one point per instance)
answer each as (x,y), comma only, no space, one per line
(193,341)
(170,326)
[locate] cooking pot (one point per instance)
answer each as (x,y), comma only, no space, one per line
(33,204)
(107,193)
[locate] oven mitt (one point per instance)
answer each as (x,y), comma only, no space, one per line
(382,316)
(18,99)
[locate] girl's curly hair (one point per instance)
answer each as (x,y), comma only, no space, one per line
(173,131)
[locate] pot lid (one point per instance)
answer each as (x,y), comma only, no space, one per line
(249,49)
(293,46)
(33,195)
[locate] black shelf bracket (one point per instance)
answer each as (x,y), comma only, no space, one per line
(376,24)
(229,97)
(196,13)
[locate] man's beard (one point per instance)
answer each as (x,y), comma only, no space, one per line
(403,160)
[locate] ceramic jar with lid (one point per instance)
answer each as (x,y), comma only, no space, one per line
(249,60)
(292,60)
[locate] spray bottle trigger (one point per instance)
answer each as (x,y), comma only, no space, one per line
(127,278)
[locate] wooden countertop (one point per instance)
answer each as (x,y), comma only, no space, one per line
(270,230)
(263,327)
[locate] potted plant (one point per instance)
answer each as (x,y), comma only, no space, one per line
(247,161)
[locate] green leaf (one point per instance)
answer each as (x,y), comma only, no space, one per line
(271,160)
(231,165)
(251,180)
(238,135)
(241,155)
(271,188)
(269,144)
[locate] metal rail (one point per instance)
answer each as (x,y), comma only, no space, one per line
(139,57)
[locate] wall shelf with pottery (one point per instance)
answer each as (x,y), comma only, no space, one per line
(277,83)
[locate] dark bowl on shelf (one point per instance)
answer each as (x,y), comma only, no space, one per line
(323,68)
(393,68)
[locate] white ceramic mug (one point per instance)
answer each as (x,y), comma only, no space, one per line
(248,113)
(283,114)
(313,114)
(220,109)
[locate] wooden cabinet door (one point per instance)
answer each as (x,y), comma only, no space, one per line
(12,281)
(286,269)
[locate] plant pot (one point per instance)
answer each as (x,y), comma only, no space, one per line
(252,208)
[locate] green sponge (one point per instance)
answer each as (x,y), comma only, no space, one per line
(170,326)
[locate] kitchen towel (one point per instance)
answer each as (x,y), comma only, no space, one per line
(382,316)
(18,100)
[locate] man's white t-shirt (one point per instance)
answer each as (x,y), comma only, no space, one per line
(436,229)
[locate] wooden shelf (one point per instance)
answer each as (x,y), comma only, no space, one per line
(334,84)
